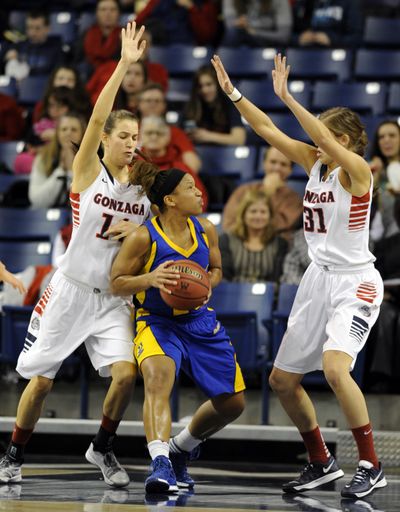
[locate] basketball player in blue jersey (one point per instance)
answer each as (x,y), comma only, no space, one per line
(339,297)
(168,340)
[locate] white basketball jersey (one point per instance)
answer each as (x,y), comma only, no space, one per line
(336,224)
(90,254)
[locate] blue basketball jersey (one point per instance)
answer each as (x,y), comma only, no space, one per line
(164,249)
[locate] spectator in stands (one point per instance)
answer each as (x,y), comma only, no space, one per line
(65,76)
(101,41)
(258,23)
(131,86)
(296,260)
(51,174)
(38,54)
(252,251)
(385,165)
(209,116)
(152,102)
(286,204)
(385,360)
(328,23)
(181,21)
(59,101)
(155,71)
(12,122)
(156,139)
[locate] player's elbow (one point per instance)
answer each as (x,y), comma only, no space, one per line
(116,285)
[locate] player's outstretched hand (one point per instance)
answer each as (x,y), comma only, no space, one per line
(280,77)
(162,276)
(132,48)
(223,77)
(121,229)
(9,278)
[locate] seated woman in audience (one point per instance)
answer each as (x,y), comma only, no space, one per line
(209,116)
(65,76)
(155,135)
(385,165)
(52,168)
(251,251)
(133,82)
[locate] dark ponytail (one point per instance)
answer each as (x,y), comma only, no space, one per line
(143,174)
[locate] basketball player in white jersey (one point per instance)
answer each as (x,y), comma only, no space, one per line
(77,306)
(340,294)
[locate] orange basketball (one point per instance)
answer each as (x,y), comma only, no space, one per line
(192,287)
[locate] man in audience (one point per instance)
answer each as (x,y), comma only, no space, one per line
(39,53)
(286,204)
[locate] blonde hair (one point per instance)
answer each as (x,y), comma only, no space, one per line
(50,152)
(343,121)
(240,229)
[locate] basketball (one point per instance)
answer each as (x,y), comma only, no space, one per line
(192,287)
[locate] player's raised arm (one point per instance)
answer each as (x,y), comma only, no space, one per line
(299,152)
(86,163)
(338,147)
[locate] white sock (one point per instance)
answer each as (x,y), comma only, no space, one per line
(184,441)
(157,448)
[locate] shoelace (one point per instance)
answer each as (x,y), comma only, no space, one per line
(111,462)
(306,468)
(159,463)
(361,475)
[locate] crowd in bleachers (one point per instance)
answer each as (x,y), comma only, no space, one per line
(53,65)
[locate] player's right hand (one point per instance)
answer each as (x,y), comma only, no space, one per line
(162,276)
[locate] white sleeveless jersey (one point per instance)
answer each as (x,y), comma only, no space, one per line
(336,224)
(90,254)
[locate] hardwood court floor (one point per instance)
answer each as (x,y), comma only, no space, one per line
(79,488)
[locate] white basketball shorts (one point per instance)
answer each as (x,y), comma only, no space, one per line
(69,314)
(333,310)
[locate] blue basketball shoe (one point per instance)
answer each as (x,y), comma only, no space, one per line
(367,479)
(179,460)
(162,477)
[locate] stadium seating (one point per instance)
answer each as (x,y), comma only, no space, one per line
(9,151)
(18,255)
(377,65)
(393,103)
(319,64)
(32,225)
(362,97)
(381,32)
(247,62)
(8,85)
(235,161)
(30,89)
(261,93)
(181,60)
(64,25)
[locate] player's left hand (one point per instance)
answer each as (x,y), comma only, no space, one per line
(209,291)
(280,77)
(121,229)
(223,77)
(132,48)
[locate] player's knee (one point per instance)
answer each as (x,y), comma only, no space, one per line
(278,382)
(158,383)
(238,406)
(334,376)
(40,388)
(230,406)
(125,380)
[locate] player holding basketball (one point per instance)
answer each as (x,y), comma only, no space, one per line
(169,339)
(339,296)
(77,306)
